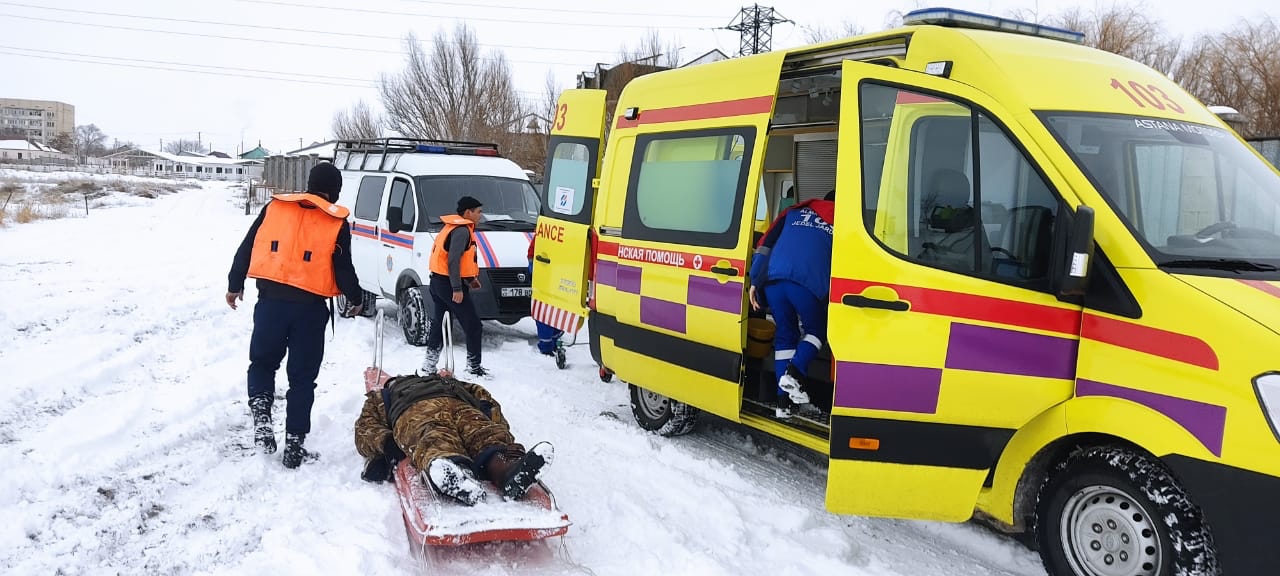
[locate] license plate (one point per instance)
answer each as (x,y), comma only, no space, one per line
(513,292)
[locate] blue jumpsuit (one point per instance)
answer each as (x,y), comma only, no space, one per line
(792,268)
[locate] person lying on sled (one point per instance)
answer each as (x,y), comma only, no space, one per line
(453,431)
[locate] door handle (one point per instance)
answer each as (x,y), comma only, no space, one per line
(542,259)
(726,270)
(860,301)
(387,245)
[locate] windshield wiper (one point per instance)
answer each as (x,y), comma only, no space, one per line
(1221,264)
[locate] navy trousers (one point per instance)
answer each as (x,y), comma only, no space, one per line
(298,328)
(465,313)
(547,335)
(801,326)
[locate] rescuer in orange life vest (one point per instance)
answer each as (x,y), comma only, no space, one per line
(299,249)
(454,273)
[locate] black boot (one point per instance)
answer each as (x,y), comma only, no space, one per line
(264,436)
(515,471)
(293,451)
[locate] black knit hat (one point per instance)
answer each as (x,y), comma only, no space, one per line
(467,203)
(325,180)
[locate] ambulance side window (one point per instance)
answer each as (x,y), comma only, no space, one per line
(689,187)
(401,196)
(369,198)
(945,186)
(567,192)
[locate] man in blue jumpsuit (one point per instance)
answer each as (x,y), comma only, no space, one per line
(792,268)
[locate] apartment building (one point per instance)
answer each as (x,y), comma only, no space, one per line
(38,120)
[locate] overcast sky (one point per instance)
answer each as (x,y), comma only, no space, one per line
(118,61)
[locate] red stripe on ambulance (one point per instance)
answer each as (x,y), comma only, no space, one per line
(704,111)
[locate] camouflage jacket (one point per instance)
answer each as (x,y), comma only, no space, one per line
(372,428)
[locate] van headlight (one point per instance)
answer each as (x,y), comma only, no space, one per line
(1268,388)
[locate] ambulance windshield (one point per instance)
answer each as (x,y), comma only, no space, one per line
(509,204)
(1198,197)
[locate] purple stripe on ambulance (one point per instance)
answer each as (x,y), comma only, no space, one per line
(606,273)
(1207,422)
(887,387)
(662,314)
(629,280)
(710,293)
(985,349)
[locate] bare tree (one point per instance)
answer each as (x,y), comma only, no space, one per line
(184,145)
(1237,68)
(358,124)
(90,141)
(825,33)
(62,142)
(453,92)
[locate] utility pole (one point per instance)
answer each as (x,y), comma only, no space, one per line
(754,25)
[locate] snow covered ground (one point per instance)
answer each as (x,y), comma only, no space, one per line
(123,439)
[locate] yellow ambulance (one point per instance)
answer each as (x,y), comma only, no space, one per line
(1054,304)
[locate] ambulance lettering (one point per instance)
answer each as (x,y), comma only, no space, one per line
(553,233)
(651,256)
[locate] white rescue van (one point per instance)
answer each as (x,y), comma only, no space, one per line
(398,188)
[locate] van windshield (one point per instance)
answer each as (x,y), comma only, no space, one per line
(509,204)
(1195,195)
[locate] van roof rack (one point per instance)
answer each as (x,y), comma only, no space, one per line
(383,147)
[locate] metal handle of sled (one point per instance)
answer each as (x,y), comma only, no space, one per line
(447,327)
(378,323)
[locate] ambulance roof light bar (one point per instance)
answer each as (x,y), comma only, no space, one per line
(965,19)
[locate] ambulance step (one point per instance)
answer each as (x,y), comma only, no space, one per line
(816,424)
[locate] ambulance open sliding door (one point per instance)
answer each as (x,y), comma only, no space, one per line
(562,248)
(946,334)
(678,268)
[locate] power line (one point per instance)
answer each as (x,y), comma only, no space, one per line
(469,18)
(231,72)
(754,24)
(244,39)
(562,10)
(139,66)
(275,28)
(211,66)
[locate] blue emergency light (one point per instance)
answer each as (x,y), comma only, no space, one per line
(470,151)
(965,19)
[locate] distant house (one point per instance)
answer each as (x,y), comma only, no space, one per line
(715,55)
(26,150)
(219,154)
(322,150)
(145,162)
(256,154)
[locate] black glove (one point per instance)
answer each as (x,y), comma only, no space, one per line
(391,450)
(376,469)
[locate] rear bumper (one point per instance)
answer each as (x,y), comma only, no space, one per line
(489,301)
(1242,509)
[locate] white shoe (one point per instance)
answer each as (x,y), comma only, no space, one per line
(791,386)
(782,412)
(450,479)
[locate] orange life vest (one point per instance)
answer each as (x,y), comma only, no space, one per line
(296,241)
(440,255)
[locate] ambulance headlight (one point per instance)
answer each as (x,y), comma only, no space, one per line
(1268,388)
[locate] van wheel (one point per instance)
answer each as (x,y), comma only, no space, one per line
(369,301)
(414,315)
(1110,510)
(657,413)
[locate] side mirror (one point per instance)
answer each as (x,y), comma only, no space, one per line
(1079,254)
(395,219)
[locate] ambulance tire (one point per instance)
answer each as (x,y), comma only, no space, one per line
(1106,507)
(415,313)
(659,414)
(369,301)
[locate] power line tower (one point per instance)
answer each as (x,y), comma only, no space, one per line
(754,25)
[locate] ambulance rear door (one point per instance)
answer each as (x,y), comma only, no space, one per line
(944,322)
(562,247)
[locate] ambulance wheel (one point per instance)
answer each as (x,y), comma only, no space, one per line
(415,312)
(657,413)
(1109,510)
(369,301)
